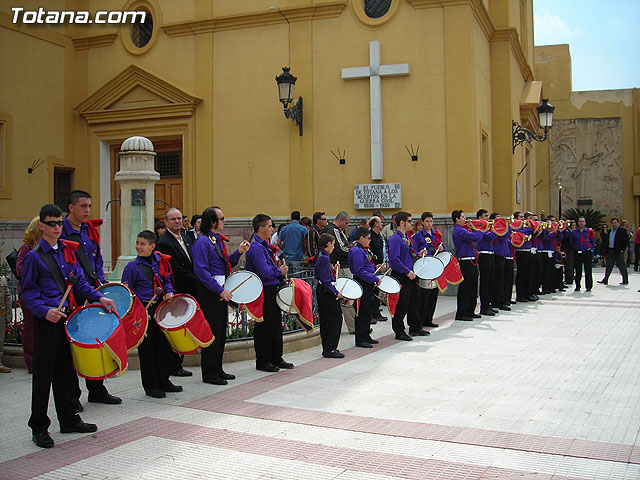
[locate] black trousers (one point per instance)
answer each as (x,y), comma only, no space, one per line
(580,260)
(330,319)
(468,289)
(548,266)
(153,353)
(620,261)
(486,266)
(558,276)
(569,267)
(507,282)
(375,304)
(523,273)
(497,295)
(428,302)
(52,367)
(363,318)
(538,273)
(267,335)
(408,304)
(216,313)
(636,254)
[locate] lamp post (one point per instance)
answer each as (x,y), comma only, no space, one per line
(521,134)
(559,198)
(286,83)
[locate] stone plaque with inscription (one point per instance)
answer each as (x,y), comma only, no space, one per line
(377,195)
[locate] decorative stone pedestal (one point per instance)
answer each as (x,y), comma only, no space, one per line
(137,196)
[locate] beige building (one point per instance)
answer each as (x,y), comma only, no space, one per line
(197,79)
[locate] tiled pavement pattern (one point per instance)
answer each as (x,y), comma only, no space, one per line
(550,390)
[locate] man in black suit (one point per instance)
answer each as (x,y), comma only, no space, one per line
(613,243)
(178,244)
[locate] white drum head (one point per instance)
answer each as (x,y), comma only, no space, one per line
(177,312)
(248,291)
(284,297)
(352,289)
(389,285)
(444,257)
(428,268)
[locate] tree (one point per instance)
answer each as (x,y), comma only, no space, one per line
(592,216)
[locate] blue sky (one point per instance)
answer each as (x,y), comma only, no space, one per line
(603,38)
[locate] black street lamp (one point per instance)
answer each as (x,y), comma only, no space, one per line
(286,83)
(521,134)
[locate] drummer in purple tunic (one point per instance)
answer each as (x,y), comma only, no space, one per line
(503,262)
(328,298)
(428,240)
(402,256)
(267,335)
(46,273)
(463,240)
(212,265)
(143,275)
(486,267)
(362,268)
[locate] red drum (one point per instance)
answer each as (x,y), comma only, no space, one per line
(184,325)
(97,342)
(132,313)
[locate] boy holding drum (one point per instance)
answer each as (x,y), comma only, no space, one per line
(328,299)
(149,277)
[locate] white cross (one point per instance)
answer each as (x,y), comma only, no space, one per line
(374,71)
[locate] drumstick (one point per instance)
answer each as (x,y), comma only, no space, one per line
(156,292)
(72,281)
(337,269)
(385,274)
(240,284)
(343,286)
(378,269)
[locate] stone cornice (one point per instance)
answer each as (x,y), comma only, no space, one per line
(257,19)
(510,35)
(477,7)
(97,41)
(96,107)
(489,29)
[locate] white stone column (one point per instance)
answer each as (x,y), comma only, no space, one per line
(137,195)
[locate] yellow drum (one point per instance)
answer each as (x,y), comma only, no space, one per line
(184,325)
(97,342)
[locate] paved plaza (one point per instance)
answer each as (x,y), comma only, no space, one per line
(550,390)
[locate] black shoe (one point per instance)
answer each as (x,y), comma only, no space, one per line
(403,336)
(364,345)
(577,289)
(512,302)
(431,325)
(215,381)
(505,308)
(79,427)
(532,298)
(156,393)
(372,341)
(419,333)
(475,315)
(373,321)
(588,290)
(464,318)
(521,300)
(285,365)
(170,387)
(603,282)
(105,398)
(488,313)
(381,319)
(269,367)
(227,376)
(180,372)
(333,354)
(624,283)
(43,440)
(495,310)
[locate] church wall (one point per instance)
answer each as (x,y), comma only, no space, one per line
(32,107)
(483,121)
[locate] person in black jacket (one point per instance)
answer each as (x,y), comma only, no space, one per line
(178,244)
(614,242)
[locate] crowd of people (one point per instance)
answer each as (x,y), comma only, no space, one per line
(60,266)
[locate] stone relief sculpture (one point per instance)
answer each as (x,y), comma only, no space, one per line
(587,154)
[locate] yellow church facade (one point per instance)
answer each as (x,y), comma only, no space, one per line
(199,81)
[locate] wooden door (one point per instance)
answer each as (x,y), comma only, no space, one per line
(168,190)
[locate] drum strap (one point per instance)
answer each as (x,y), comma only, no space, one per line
(148,272)
(53,267)
(223,257)
(253,240)
(83,257)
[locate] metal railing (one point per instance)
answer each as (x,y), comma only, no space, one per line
(241,324)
